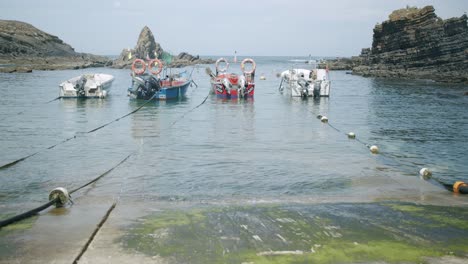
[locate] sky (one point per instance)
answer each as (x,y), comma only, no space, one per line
(325,28)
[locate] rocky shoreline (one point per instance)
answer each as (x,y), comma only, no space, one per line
(24,48)
(415,44)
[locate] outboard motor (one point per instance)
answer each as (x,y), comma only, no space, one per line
(80,86)
(317,87)
(304,87)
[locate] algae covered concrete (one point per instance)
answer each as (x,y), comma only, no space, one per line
(418,228)
(322,233)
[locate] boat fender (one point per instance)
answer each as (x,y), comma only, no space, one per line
(138,71)
(351,135)
(218,69)
(374,149)
(61,195)
(153,63)
(460,187)
(324,119)
(243,66)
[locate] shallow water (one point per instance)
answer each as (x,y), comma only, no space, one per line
(271,148)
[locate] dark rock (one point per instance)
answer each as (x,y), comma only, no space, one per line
(415,43)
(28,48)
(148,48)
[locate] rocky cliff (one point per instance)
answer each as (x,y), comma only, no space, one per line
(148,48)
(415,43)
(24,48)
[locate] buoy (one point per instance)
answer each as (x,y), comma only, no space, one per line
(262,77)
(324,119)
(460,187)
(425,173)
(351,135)
(62,195)
(374,149)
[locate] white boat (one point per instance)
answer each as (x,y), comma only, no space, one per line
(94,85)
(305,83)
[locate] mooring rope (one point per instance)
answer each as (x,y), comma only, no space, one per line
(457,187)
(55,200)
(22,112)
(70,138)
(96,230)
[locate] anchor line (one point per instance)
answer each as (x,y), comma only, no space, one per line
(191,110)
(96,230)
(435,181)
(22,112)
(70,138)
(56,199)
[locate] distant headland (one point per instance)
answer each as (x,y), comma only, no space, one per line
(414,43)
(24,48)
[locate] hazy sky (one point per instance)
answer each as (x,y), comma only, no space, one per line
(218,27)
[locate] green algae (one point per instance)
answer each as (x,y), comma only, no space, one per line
(295,234)
(17,226)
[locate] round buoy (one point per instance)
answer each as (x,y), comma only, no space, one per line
(262,77)
(374,149)
(62,195)
(324,119)
(351,135)
(425,173)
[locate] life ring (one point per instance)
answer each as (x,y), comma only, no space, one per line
(243,66)
(222,69)
(151,65)
(136,70)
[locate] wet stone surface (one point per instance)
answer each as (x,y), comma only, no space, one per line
(320,233)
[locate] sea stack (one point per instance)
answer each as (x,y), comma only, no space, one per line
(148,48)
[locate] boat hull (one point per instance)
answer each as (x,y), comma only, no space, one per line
(168,90)
(305,83)
(232,86)
(86,86)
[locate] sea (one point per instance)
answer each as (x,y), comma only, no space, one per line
(204,149)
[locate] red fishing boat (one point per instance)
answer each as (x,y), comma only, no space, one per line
(231,85)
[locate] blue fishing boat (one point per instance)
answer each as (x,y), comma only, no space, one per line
(150,85)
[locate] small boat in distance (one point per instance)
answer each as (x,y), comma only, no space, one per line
(95,85)
(149,85)
(305,83)
(231,85)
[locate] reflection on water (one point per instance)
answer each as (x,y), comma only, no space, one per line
(273,147)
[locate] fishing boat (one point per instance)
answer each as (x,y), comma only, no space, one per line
(306,83)
(231,85)
(150,85)
(95,85)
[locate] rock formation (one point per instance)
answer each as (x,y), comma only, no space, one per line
(24,48)
(148,48)
(415,43)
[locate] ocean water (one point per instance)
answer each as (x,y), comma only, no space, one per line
(272,148)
